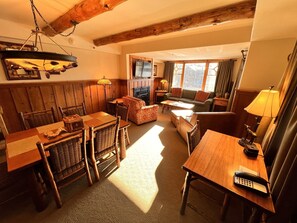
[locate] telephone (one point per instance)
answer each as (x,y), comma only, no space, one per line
(251,182)
(251,150)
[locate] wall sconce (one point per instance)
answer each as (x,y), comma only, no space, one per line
(265,104)
(104,81)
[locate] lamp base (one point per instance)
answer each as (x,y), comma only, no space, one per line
(243,142)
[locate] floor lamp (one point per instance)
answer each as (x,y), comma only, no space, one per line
(265,104)
(104,81)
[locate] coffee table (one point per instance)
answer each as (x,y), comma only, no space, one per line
(169,104)
(176,114)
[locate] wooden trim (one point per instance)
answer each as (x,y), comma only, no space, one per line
(82,11)
(241,10)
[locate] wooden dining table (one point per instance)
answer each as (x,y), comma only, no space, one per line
(22,152)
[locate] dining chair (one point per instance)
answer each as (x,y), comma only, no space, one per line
(37,118)
(193,137)
(72,110)
(104,141)
(3,134)
(67,161)
(123,111)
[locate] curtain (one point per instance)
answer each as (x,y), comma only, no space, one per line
(224,75)
(281,153)
(235,85)
(168,73)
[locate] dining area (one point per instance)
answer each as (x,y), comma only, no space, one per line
(51,152)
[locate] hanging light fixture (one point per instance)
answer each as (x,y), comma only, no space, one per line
(51,63)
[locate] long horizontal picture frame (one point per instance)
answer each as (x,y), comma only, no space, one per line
(16,74)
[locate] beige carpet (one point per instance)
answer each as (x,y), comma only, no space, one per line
(146,188)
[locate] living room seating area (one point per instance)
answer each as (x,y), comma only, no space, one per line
(201,99)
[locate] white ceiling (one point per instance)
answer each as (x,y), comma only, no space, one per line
(274,19)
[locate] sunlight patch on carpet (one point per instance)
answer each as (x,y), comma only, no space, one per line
(136,176)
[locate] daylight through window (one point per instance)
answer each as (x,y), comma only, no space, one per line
(195,75)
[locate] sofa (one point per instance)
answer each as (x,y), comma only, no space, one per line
(202,100)
(140,113)
(223,122)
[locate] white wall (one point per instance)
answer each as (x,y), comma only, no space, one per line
(93,62)
(266,63)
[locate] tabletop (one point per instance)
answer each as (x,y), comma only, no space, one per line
(217,157)
(21,146)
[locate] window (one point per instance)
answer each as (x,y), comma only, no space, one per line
(177,74)
(195,75)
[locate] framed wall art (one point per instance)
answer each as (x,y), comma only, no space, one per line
(12,71)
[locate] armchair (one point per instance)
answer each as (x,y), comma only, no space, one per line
(139,112)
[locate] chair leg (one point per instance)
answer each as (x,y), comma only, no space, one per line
(127,136)
(55,191)
(118,158)
(95,168)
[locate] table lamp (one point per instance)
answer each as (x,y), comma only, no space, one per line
(163,82)
(265,104)
(104,81)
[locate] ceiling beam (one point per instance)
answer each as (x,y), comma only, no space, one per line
(242,10)
(82,11)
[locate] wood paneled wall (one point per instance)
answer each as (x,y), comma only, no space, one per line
(30,97)
(241,100)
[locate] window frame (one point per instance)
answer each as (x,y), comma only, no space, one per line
(207,62)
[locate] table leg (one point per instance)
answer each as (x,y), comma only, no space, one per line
(225,206)
(163,107)
(122,144)
(37,189)
(255,216)
(185,193)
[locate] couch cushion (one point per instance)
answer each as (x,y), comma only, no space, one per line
(202,96)
(176,92)
(188,94)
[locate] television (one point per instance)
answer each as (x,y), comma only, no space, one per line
(147,69)
(138,68)
(142,69)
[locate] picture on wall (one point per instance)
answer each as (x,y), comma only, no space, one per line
(12,71)
(155,70)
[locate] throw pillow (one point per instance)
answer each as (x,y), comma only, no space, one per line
(176,92)
(202,96)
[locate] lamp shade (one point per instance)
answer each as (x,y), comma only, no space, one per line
(163,81)
(265,104)
(104,81)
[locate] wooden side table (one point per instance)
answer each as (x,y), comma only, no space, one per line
(159,95)
(219,104)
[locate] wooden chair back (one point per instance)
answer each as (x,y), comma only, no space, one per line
(104,140)
(193,137)
(37,118)
(72,110)
(123,111)
(3,134)
(67,161)
(2,123)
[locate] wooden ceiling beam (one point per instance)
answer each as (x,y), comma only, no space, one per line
(82,11)
(242,10)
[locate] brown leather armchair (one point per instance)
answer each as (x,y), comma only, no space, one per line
(218,121)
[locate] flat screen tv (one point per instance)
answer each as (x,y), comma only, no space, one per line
(143,69)
(138,68)
(147,69)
